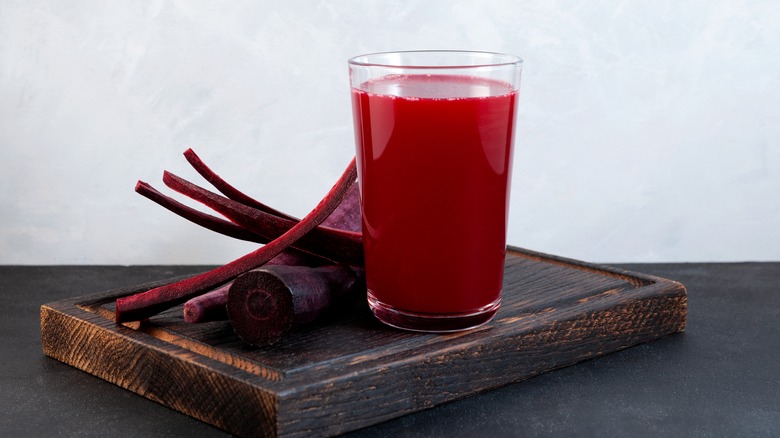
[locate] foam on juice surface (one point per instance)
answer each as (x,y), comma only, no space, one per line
(436,86)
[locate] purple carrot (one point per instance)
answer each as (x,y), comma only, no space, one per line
(264,304)
(149,303)
(340,246)
(211,305)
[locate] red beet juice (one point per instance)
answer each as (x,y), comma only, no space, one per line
(434,173)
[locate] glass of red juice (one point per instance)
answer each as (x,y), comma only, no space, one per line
(434,137)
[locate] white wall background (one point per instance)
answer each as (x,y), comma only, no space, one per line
(648,131)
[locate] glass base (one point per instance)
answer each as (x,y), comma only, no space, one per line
(429,323)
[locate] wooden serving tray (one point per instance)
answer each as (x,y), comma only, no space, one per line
(351,372)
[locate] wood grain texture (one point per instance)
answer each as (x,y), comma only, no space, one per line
(350,371)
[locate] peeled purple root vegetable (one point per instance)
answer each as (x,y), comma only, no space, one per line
(265,304)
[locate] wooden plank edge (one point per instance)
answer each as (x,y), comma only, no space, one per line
(167,375)
(637,279)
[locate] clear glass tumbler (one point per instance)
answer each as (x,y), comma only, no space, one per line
(434,137)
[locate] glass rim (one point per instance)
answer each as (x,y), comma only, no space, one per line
(505,60)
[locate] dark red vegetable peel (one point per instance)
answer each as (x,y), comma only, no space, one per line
(207,221)
(346,217)
(149,303)
(265,304)
(340,246)
(227,228)
(225,188)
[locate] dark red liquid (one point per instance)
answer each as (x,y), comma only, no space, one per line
(434,174)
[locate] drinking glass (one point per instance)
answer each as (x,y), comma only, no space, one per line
(434,138)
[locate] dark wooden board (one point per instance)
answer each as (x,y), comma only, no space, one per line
(351,372)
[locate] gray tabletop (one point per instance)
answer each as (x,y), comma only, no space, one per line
(721,377)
